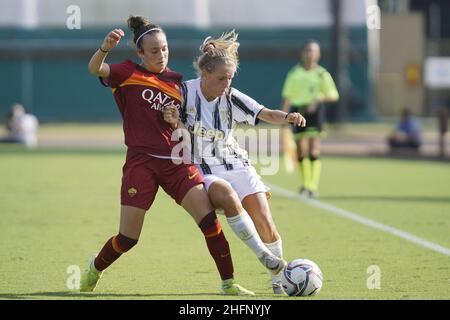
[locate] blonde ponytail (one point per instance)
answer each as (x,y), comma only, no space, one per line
(218,50)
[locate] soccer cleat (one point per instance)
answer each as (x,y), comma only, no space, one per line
(90,277)
(229,288)
(277,288)
(313,194)
(304,192)
(272,263)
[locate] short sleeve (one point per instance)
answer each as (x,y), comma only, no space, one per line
(245,109)
(328,87)
(119,72)
(287,87)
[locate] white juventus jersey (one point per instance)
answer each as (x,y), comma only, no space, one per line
(211,125)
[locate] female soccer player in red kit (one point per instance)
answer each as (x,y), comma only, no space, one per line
(141,92)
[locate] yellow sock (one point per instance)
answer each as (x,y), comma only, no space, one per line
(305,172)
(316,168)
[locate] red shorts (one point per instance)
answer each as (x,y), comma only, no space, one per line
(142,174)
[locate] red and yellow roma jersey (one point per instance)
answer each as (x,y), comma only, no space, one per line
(141,97)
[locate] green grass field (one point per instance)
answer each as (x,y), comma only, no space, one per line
(59,207)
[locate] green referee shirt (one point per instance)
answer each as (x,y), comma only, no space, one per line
(303,86)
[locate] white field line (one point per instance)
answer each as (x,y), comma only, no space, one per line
(360,219)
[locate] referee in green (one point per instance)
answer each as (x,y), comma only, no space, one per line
(307,86)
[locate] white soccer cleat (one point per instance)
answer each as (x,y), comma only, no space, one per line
(277,288)
(272,263)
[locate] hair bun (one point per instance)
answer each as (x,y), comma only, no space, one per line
(137,23)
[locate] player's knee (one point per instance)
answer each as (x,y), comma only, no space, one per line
(210,225)
(224,197)
(302,154)
(123,243)
(314,156)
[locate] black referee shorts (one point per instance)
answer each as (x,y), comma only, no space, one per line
(314,121)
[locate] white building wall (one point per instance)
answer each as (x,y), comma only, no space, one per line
(200,13)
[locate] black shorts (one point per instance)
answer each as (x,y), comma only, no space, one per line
(314,121)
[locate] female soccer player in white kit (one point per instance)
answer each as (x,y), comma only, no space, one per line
(210,110)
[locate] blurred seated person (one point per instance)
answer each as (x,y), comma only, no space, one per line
(22,127)
(407,134)
(443,115)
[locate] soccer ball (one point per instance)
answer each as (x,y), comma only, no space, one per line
(302,277)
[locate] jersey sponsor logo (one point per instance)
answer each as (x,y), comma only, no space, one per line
(159,100)
(132,192)
(208,133)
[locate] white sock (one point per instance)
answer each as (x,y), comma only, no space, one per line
(244,228)
(277,249)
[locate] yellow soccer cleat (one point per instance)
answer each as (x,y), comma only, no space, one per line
(90,277)
(229,288)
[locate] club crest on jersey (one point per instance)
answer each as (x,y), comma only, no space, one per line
(208,133)
(191,110)
(160,100)
(132,192)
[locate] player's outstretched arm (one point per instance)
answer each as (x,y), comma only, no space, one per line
(281,117)
(97,66)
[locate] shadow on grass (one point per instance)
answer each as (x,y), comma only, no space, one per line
(77,295)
